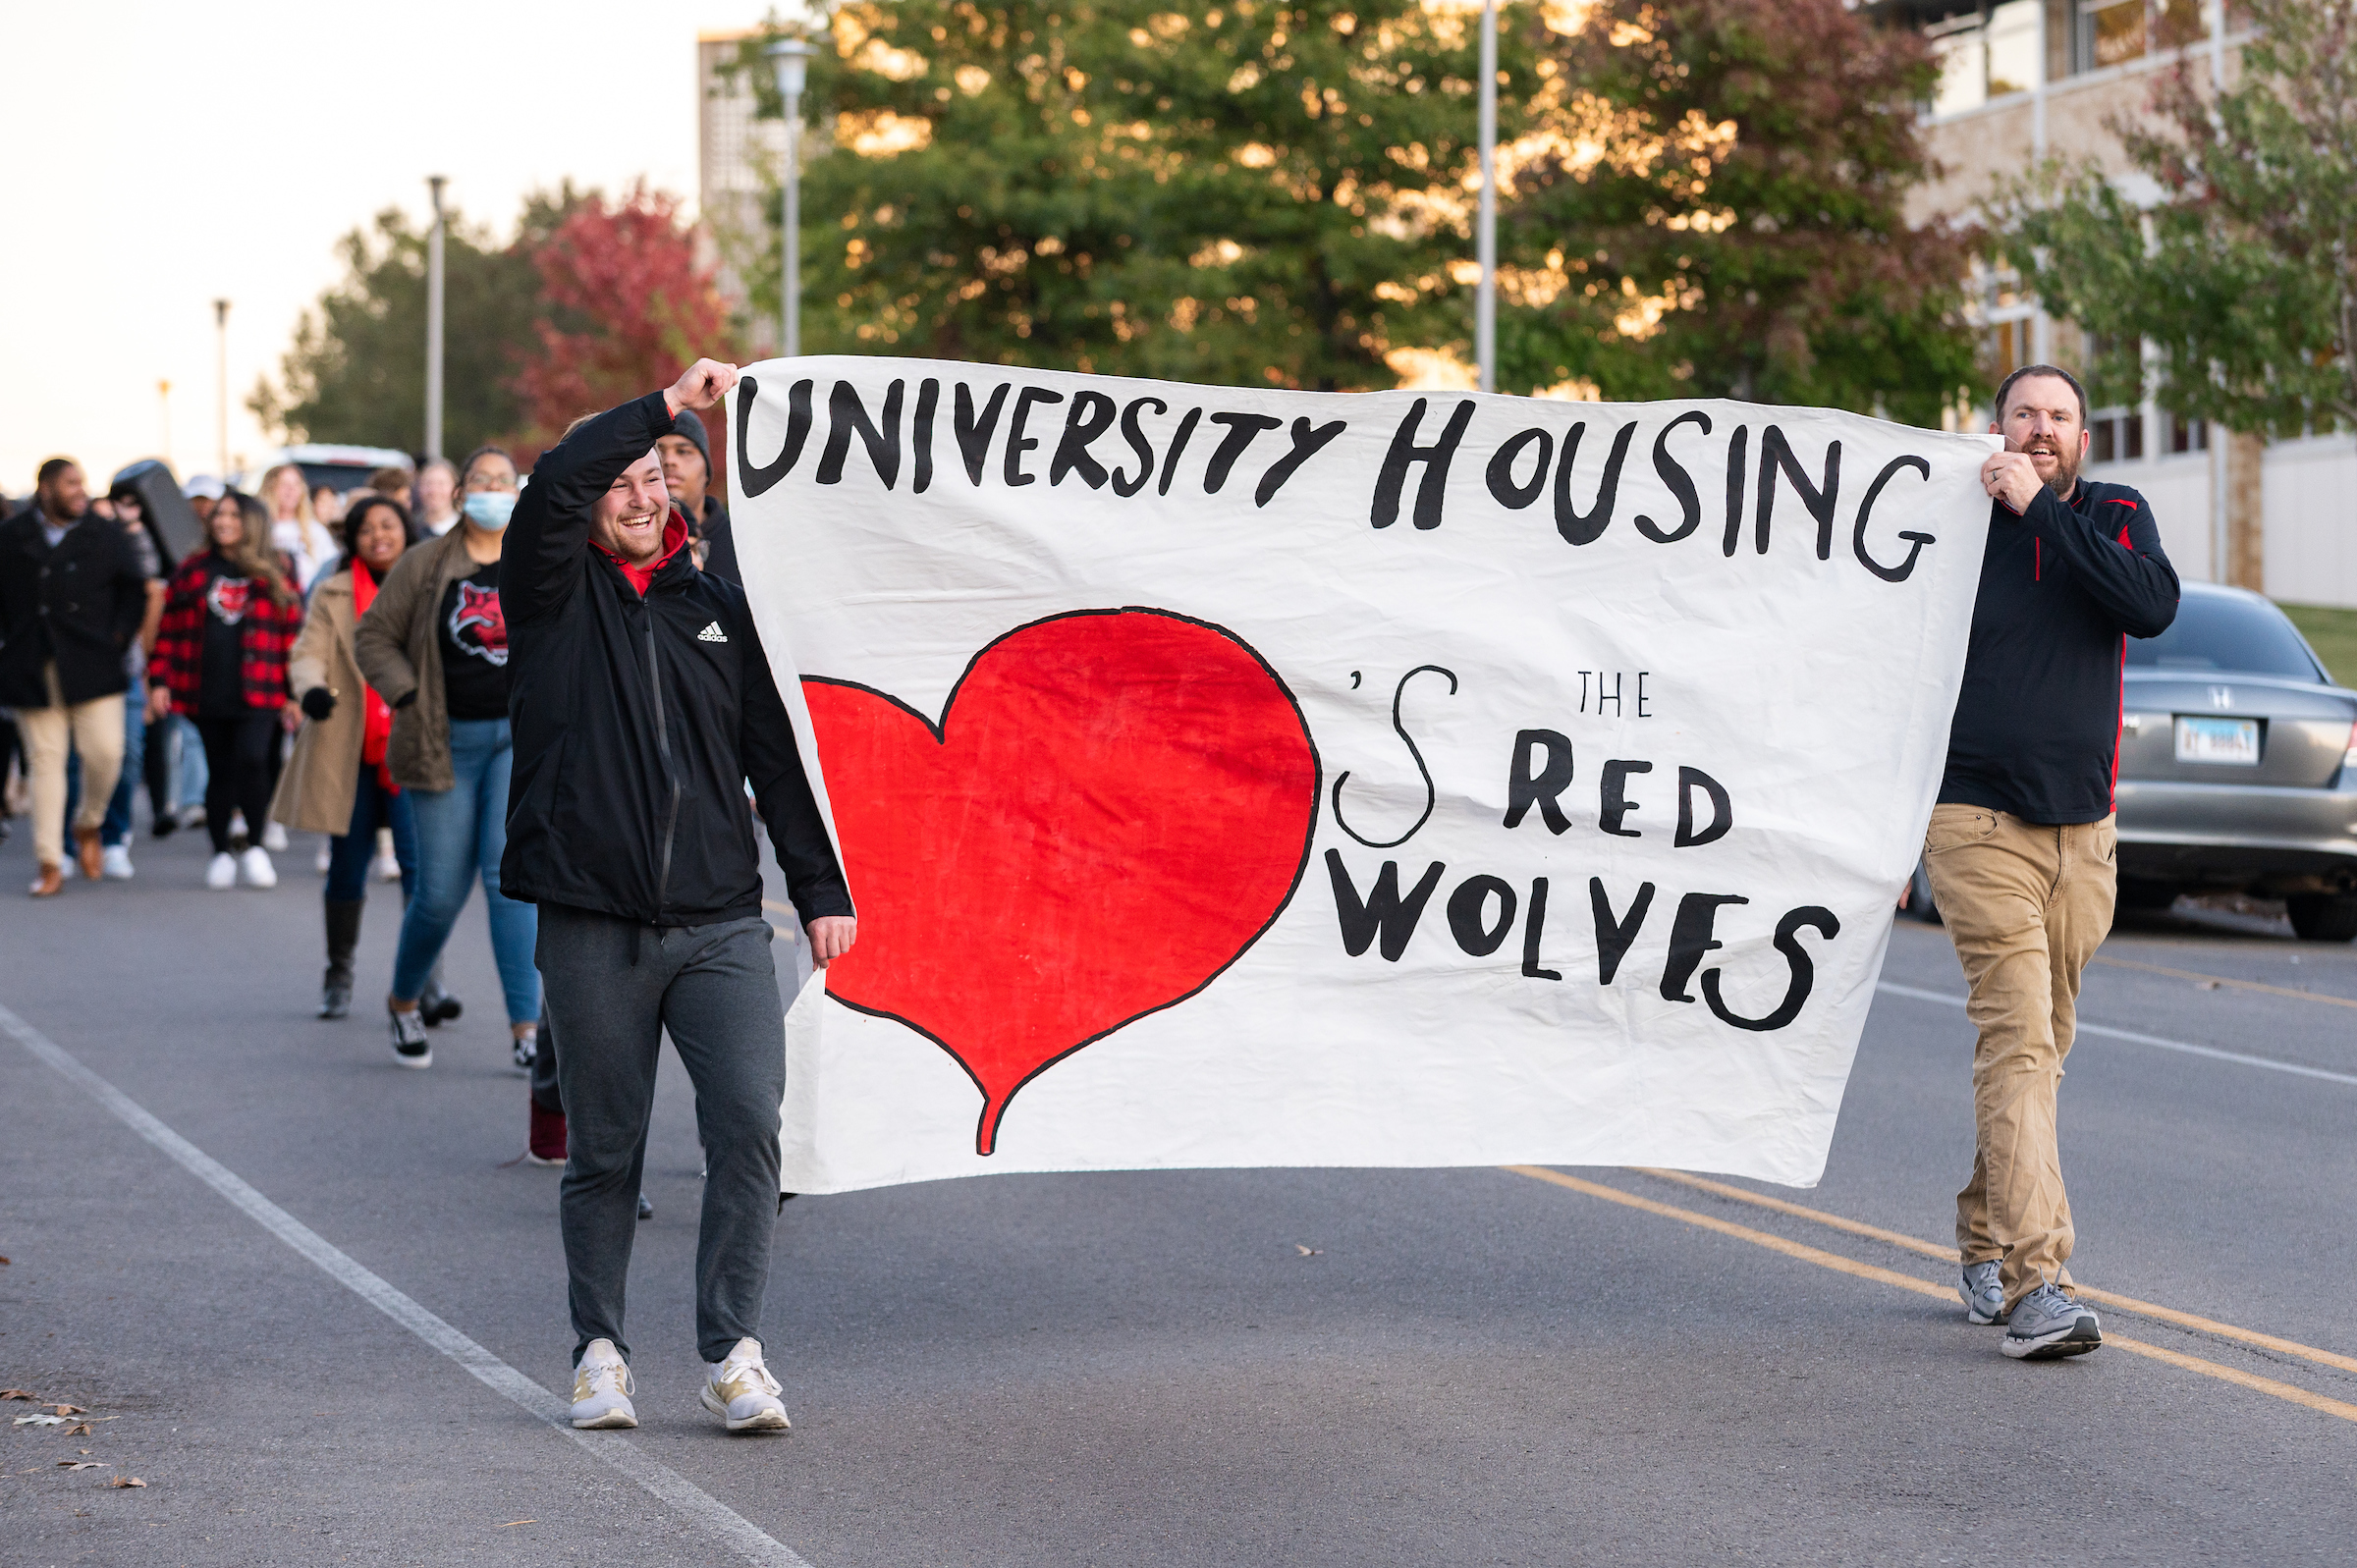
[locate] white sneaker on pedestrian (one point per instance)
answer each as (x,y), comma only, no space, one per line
(114,862)
(387,865)
(274,837)
(740,1390)
(326,855)
(602,1388)
(222,872)
(255,865)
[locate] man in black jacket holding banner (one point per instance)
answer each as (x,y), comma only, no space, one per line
(2020,850)
(641,703)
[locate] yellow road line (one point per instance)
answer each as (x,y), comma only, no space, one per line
(2108,1298)
(2224,980)
(1924,1287)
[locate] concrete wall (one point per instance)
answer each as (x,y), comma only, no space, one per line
(2310,509)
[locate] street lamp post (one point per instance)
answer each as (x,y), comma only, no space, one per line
(1485,302)
(221,382)
(433,325)
(792,59)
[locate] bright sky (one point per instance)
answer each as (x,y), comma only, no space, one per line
(163,155)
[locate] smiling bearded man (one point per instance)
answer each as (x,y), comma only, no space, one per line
(642,704)
(2021,844)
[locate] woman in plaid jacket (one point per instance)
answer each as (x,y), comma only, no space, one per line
(230,619)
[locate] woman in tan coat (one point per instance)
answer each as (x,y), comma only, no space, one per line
(336,782)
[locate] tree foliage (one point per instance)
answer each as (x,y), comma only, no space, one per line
(357,370)
(625,305)
(1241,192)
(2242,274)
(1711,204)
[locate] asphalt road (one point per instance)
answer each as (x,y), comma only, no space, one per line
(1288,1367)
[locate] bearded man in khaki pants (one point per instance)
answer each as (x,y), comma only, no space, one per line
(2020,849)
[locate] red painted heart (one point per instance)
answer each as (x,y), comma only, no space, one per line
(1115,806)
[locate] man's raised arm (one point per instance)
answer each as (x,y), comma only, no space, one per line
(544,552)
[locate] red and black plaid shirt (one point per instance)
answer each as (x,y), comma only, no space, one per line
(268,630)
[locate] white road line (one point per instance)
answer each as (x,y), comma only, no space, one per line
(2135,1039)
(723,1523)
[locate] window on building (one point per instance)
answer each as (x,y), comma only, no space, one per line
(2017,41)
(2186,435)
(2112,32)
(2006,346)
(2118,436)
(1988,54)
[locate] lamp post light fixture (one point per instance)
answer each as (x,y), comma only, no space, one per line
(792,59)
(221,382)
(433,324)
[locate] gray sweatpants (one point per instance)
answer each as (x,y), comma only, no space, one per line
(613,988)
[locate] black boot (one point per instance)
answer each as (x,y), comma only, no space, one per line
(342,934)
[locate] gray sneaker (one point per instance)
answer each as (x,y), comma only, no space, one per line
(2046,1324)
(1983,1291)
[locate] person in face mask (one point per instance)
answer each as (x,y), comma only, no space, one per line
(435,644)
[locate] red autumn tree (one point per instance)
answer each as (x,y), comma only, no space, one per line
(626,305)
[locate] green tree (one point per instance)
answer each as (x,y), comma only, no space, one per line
(2242,275)
(1709,204)
(357,370)
(1265,191)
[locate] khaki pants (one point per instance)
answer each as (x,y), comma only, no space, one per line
(95,729)
(2027,905)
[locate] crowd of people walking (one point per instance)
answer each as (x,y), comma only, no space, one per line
(337,663)
(247,689)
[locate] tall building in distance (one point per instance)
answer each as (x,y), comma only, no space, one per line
(738,157)
(2023,80)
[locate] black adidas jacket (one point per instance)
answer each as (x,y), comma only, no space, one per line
(638,719)
(2037,725)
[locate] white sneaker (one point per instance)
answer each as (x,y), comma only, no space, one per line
(114,862)
(237,825)
(222,872)
(740,1390)
(602,1388)
(274,837)
(387,865)
(255,863)
(326,856)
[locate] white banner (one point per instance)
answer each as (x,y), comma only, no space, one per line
(1241,778)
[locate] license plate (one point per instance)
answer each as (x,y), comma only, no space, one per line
(2233,741)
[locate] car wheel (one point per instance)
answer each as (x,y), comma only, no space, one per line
(1920,902)
(2323,916)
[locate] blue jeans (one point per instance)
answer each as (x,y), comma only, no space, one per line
(462,831)
(373,806)
(188,789)
(116,829)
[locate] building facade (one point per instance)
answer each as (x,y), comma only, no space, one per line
(738,157)
(2024,80)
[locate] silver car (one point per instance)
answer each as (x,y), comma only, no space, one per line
(2237,767)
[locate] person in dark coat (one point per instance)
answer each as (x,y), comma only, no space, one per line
(641,705)
(72,597)
(685,453)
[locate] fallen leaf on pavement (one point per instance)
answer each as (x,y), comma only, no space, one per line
(40,1421)
(80,1428)
(1308,1252)
(515,1522)
(126,1481)
(66,1410)
(16,1393)
(82,1463)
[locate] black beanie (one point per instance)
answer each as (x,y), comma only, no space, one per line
(690,424)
